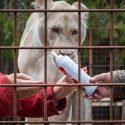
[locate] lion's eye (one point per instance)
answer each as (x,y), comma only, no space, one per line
(74,32)
(55,30)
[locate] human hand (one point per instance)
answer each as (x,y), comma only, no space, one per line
(19,78)
(62,91)
(22,78)
(101,91)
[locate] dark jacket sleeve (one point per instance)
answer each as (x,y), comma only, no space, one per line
(119,91)
(32,106)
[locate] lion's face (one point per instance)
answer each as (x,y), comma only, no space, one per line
(62,27)
(63,32)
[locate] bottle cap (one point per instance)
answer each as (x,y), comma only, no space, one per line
(54,54)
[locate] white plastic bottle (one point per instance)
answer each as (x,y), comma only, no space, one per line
(69,67)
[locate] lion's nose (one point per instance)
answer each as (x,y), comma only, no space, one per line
(66,52)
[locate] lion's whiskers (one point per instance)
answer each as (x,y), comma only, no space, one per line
(41,58)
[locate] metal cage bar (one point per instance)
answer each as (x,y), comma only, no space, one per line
(45,63)
(15,64)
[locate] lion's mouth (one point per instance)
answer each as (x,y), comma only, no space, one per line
(69,54)
(59,52)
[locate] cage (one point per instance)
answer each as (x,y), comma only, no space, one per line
(101,51)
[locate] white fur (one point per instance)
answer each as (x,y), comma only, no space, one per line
(31,61)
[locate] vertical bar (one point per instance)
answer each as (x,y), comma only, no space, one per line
(111,58)
(45,63)
(15,64)
(90,53)
(79,58)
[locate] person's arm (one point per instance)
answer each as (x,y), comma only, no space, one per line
(105,91)
(119,91)
(56,102)
(33,105)
(30,106)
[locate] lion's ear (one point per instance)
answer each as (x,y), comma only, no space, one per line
(40,4)
(84,15)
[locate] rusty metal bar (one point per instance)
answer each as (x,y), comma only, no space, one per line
(72,84)
(15,64)
(90,53)
(111,59)
(64,122)
(64,47)
(45,62)
(79,60)
(60,10)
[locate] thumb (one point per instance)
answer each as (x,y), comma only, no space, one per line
(92,80)
(97,78)
(23,76)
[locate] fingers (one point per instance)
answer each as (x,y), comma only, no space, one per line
(88,97)
(21,81)
(91,98)
(69,80)
(98,78)
(85,69)
(97,96)
(62,80)
(65,80)
(21,76)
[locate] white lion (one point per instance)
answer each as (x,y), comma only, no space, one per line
(62,30)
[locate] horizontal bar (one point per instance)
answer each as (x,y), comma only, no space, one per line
(77,84)
(64,122)
(61,10)
(78,47)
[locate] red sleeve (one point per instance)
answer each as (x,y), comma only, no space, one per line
(5,97)
(32,106)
